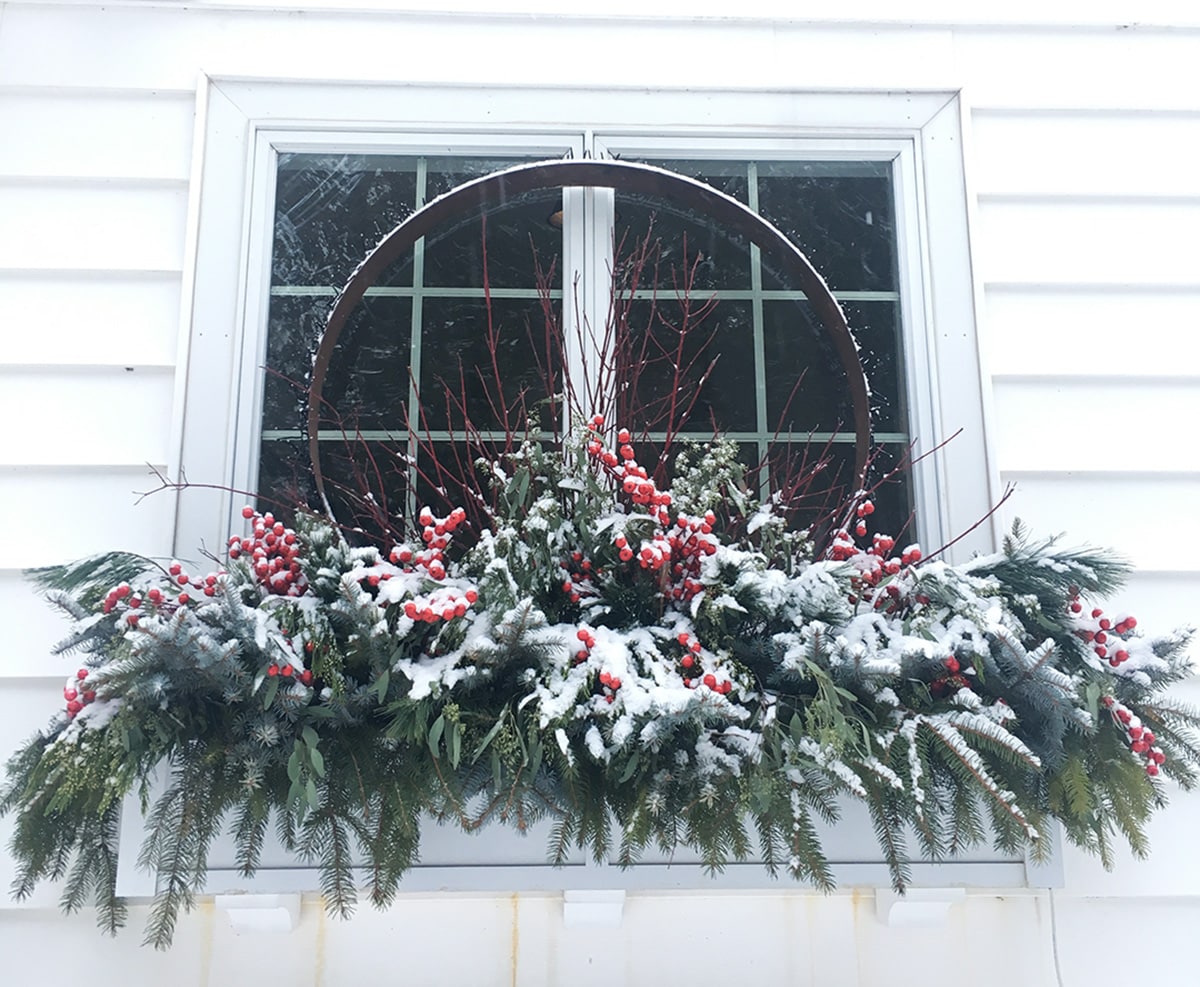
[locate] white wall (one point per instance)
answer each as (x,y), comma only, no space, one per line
(1081,147)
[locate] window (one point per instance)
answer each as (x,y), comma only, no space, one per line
(299,179)
(722,341)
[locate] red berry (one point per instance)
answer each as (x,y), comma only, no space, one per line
(306,677)
(1152,769)
(69,694)
(184,598)
(1076,607)
(952,664)
(272,670)
(286,671)
(860,529)
(687,661)
(582,634)
(175,569)
(74,706)
(81,674)
(1130,622)
(710,680)
(247,512)
(1097,612)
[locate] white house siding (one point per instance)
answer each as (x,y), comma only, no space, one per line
(1081,143)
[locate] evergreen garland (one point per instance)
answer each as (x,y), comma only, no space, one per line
(641,667)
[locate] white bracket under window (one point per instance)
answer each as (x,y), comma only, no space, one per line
(917,906)
(593,908)
(253,914)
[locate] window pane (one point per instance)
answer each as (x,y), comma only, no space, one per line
(690,360)
(493,372)
(330,209)
(843,222)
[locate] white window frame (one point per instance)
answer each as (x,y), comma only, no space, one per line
(243,124)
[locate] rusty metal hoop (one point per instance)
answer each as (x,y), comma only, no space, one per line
(623,176)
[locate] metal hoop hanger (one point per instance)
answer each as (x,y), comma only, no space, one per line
(623,176)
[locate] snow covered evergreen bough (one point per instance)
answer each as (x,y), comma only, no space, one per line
(640,666)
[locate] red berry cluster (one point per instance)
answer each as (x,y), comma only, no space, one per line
(875,561)
(274,554)
(1141,739)
(442,604)
(951,680)
(304,675)
(577,581)
(609,685)
(634,479)
(436,532)
(156,600)
(1104,635)
(675,548)
(77,693)
(588,640)
(692,676)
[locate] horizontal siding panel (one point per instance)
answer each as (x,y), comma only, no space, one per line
(1135,516)
(74,47)
(107,417)
(28,641)
(1085,154)
(56,515)
(104,226)
(1080,330)
(1161,601)
(96,135)
(1096,424)
(1125,243)
(123,319)
(1079,70)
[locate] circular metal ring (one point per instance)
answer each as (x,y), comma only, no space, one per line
(624,176)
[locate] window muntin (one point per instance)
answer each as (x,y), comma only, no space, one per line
(760,328)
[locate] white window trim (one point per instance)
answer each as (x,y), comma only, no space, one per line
(241,124)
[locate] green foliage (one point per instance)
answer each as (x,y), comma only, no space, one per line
(728,694)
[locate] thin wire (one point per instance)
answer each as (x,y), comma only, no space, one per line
(1054,939)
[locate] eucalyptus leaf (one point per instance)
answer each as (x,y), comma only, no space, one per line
(435,734)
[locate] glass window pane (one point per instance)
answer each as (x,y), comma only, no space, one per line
(330,209)
(494,373)
(842,222)
(694,361)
